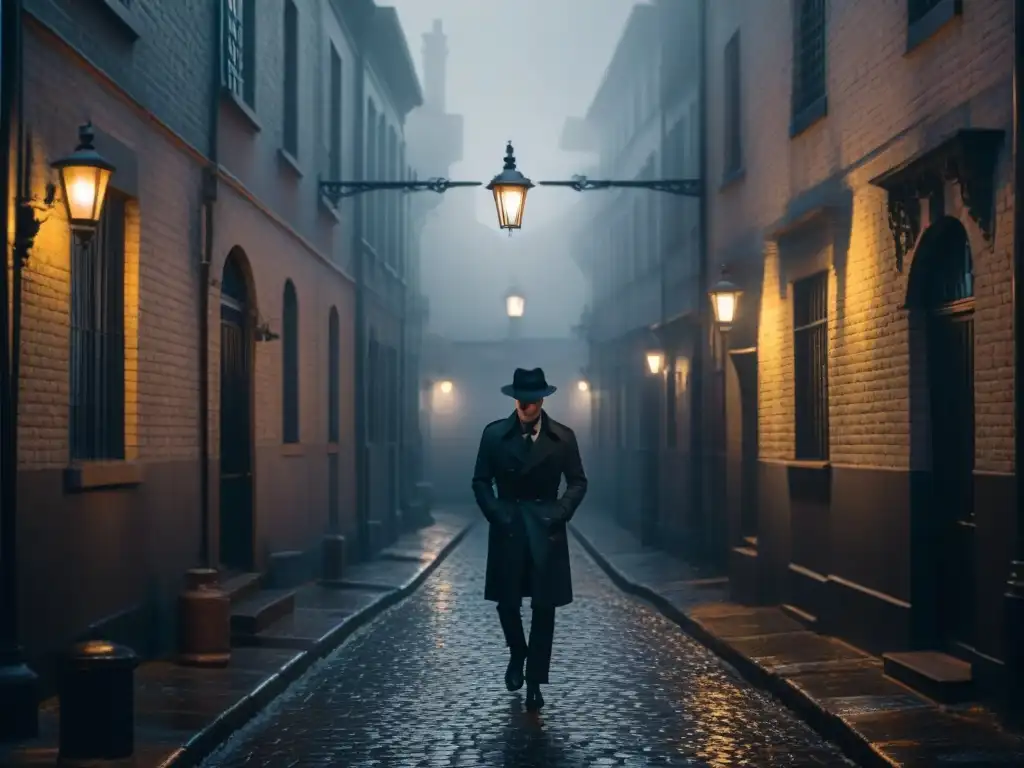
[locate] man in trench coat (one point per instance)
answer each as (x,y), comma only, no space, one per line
(525,456)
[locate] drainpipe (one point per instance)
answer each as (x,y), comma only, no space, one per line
(1014,647)
(697,526)
(204,609)
(19,714)
(358,257)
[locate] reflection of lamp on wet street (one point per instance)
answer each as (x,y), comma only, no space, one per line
(515,308)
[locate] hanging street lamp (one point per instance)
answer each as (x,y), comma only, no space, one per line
(515,303)
(84,176)
(655,361)
(509,188)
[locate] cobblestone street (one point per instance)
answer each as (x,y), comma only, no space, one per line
(423,686)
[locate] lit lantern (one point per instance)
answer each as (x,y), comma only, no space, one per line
(515,303)
(84,176)
(583,386)
(724,299)
(446,387)
(510,188)
(655,362)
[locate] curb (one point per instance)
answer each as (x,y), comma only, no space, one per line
(206,741)
(828,725)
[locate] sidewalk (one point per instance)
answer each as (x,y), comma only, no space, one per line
(184,713)
(840,690)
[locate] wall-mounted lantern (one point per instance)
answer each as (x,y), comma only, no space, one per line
(446,387)
(725,299)
(655,361)
(84,176)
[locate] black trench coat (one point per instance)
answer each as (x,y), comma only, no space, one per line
(527,515)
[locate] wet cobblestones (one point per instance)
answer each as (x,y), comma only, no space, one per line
(423,686)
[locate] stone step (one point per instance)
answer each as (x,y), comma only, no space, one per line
(937,675)
(257,612)
(287,570)
(240,586)
(809,620)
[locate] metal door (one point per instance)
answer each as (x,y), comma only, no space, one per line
(236,512)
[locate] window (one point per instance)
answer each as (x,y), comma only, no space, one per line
(926,17)
(373,399)
(97,338)
(808,63)
(240,49)
(392,390)
(733,115)
(333,372)
(370,171)
(291,79)
(918,9)
(334,144)
(810,364)
(290,364)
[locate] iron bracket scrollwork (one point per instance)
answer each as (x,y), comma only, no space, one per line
(683,187)
(338,190)
(968,158)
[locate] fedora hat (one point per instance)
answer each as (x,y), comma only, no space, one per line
(528,386)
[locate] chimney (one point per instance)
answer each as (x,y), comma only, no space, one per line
(435,67)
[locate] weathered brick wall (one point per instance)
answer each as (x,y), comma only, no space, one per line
(885,105)
(160,277)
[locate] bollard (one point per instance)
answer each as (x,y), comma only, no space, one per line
(332,562)
(97,702)
(204,621)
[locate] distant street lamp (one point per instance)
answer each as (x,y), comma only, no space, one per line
(515,303)
(655,362)
(84,176)
(582,385)
(725,298)
(446,387)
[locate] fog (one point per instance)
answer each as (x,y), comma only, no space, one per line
(513,72)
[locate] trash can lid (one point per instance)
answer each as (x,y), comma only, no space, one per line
(102,652)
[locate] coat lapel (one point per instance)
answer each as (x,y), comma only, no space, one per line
(543,447)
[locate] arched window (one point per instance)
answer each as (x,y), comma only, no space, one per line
(333,393)
(290,364)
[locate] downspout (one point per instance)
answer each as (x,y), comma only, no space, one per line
(697,379)
(206,257)
(359,364)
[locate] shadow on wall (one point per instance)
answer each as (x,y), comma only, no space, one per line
(477,371)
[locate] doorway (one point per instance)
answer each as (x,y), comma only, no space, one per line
(237,534)
(745,364)
(942,289)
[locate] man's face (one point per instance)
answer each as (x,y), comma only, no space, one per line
(528,411)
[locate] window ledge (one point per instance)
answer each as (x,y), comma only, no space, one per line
(733,176)
(329,208)
(929,25)
(243,110)
(290,161)
(93,475)
(808,116)
(125,19)
(293,449)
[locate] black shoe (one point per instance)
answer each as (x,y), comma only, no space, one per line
(534,701)
(514,672)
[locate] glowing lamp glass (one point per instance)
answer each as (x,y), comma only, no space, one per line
(583,386)
(725,298)
(655,362)
(84,178)
(446,387)
(515,305)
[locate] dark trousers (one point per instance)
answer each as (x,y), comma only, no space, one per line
(542,632)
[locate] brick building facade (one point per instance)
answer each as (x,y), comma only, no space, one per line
(860,158)
(221,119)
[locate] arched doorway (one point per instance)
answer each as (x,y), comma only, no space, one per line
(237,534)
(941,295)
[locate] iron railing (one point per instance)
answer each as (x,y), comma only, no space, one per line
(810,362)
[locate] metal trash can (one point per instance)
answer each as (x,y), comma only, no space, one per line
(97,702)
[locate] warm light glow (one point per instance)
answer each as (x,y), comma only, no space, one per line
(510,200)
(515,305)
(446,387)
(724,300)
(725,306)
(583,386)
(655,362)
